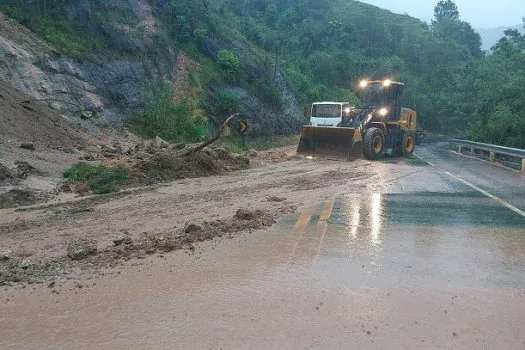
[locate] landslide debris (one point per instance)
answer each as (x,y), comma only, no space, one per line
(82,248)
(6,176)
(176,164)
(150,162)
(21,197)
(84,254)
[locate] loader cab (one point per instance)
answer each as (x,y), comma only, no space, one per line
(382,96)
(329,113)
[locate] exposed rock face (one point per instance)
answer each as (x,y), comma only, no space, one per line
(263,120)
(110,88)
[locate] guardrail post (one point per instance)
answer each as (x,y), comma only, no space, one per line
(460,149)
(523,165)
(492,157)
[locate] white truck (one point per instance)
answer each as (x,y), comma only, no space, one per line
(329,113)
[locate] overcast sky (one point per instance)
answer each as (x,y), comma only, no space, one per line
(480,13)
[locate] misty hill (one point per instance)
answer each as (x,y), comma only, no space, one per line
(491,36)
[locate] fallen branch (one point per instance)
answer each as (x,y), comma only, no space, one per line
(214,139)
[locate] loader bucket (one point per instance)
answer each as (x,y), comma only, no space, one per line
(330,141)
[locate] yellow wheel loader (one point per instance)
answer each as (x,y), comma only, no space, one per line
(381,127)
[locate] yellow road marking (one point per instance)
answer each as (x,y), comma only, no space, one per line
(322,225)
(300,226)
(303,221)
(480,190)
(327,210)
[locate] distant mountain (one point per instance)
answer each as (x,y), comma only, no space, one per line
(491,36)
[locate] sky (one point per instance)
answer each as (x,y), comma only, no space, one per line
(479,13)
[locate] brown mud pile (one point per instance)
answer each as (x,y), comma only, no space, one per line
(170,165)
(82,254)
(21,197)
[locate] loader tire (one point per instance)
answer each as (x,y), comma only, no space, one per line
(373,143)
(408,143)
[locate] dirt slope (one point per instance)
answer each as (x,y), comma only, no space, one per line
(31,121)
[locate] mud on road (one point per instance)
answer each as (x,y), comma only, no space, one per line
(36,242)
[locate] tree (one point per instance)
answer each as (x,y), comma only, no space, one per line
(448,26)
(446,9)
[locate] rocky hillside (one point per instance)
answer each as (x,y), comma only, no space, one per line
(127,52)
(109,89)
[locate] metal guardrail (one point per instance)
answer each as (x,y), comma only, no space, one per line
(493,150)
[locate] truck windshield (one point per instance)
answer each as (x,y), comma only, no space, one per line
(326,111)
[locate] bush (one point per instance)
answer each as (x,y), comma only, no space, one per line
(162,117)
(230,65)
(228,102)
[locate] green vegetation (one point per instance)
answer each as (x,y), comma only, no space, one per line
(162,117)
(49,19)
(318,48)
(83,172)
(230,65)
(491,94)
(52,27)
(324,47)
(101,179)
(109,181)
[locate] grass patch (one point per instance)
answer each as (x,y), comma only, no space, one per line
(108,182)
(101,179)
(83,172)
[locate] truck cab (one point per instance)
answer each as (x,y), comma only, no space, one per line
(329,113)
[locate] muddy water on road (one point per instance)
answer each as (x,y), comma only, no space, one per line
(386,269)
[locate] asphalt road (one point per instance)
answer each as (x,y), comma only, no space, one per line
(426,256)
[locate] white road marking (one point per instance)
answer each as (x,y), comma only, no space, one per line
(480,190)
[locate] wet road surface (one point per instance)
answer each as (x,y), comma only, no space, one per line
(419,259)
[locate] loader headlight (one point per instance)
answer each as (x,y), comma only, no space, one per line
(363,83)
(383,112)
(348,110)
(387,83)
